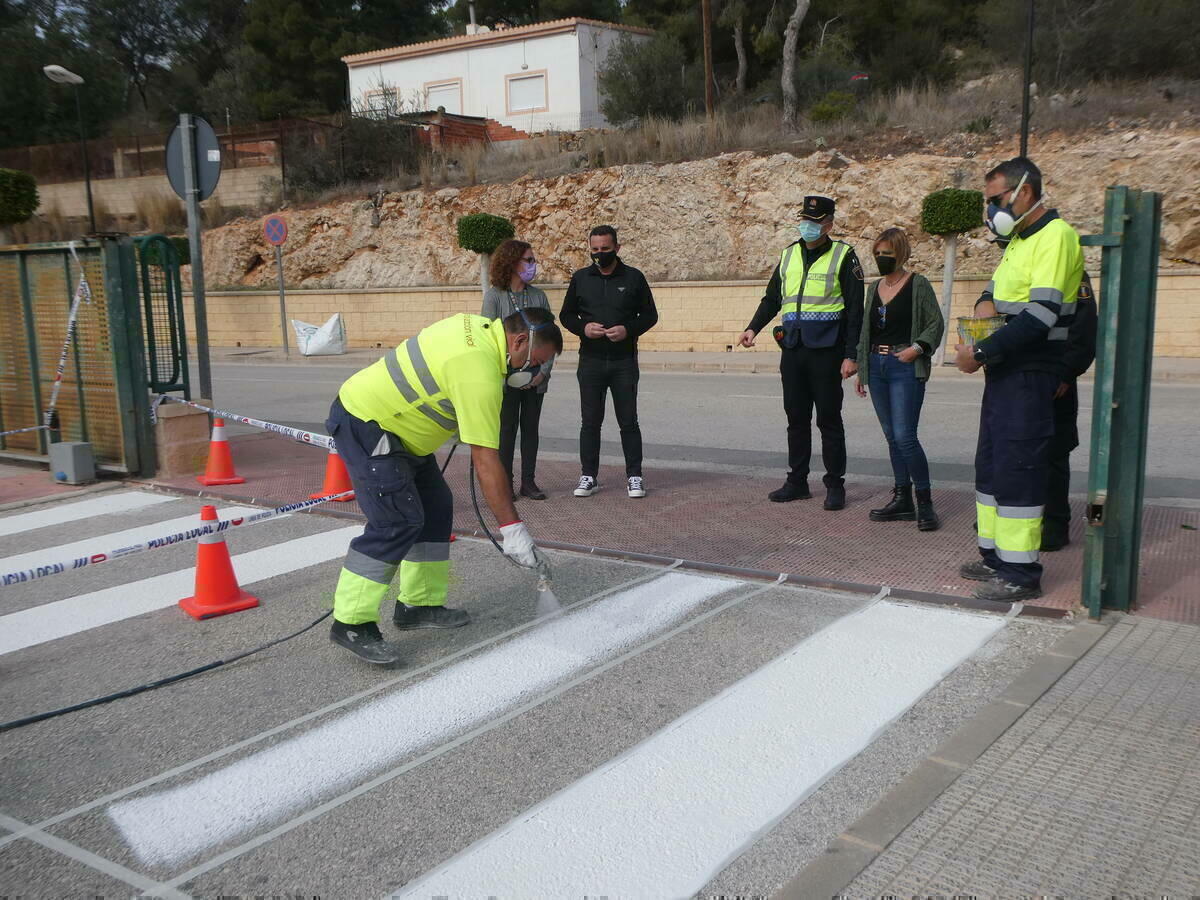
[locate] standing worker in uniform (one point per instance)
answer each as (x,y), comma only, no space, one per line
(387,421)
(1077,359)
(818,285)
(609,305)
(1034,288)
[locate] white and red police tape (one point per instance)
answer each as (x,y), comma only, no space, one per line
(83,293)
(56,568)
(296,434)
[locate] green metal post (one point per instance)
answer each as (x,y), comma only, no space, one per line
(35,377)
(128,342)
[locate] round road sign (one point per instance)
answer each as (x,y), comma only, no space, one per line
(275,230)
(207,157)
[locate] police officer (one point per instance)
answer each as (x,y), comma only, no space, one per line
(1034,288)
(818,286)
(387,421)
(1077,359)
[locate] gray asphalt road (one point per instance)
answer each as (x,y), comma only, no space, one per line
(735,422)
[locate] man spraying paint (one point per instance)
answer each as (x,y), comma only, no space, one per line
(387,420)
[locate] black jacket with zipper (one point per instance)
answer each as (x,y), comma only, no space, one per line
(622,298)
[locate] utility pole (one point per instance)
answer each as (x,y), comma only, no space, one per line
(706,15)
(191,181)
(1028,79)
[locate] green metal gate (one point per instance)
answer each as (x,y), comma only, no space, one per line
(1121,402)
(162,311)
(103,399)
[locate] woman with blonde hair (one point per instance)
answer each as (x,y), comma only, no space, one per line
(514,266)
(902,327)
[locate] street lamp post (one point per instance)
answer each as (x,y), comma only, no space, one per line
(59,75)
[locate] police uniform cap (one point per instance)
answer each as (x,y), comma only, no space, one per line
(816,208)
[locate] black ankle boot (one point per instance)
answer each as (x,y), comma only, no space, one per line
(927,519)
(900,509)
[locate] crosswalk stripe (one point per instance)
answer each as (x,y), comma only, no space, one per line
(51,621)
(175,824)
(106,542)
(664,818)
(60,514)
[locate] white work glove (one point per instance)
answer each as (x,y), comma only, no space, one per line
(519,546)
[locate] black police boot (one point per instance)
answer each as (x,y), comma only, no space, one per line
(1054,536)
(365,642)
(531,490)
(927,519)
(408,617)
(835,497)
(899,509)
(791,490)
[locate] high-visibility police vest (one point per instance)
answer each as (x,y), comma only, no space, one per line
(812,298)
(1040,274)
(447,379)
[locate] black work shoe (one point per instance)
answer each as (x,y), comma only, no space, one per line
(365,642)
(532,491)
(999,589)
(899,509)
(835,498)
(407,617)
(977,570)
(790,491)
(927,518)
(1053,540)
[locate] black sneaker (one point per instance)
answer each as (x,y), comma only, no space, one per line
(789,492)
(365,642)
(1005,591)
(976,571)
(835,498)
(409,617)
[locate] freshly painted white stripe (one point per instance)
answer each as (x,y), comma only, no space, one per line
(103,543)
(662,819)
(176,824)
(64,617)
(59,514)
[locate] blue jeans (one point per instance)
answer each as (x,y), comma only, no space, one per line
(897,396)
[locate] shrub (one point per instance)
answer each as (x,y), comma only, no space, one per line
(644,78)
(182,249)
(833,106)
(483,232)
(979,125)
(18,197)
(951,211)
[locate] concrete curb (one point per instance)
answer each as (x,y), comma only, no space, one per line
(62,495)
(860,844)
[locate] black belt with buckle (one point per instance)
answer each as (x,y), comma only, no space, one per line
(888,349)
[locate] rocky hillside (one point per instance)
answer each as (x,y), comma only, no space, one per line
(719,218)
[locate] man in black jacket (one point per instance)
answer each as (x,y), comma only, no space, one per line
(609,306)
(818,286)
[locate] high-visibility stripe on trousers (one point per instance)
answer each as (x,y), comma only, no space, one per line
(1016,424)
(409,510)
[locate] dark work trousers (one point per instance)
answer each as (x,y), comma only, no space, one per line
(1016,425)
(408,505)
(520,409)
(813,377)
(1058,484)
(596,378)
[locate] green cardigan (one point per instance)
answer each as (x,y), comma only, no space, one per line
(927,326)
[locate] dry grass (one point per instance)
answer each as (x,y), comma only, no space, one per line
(160,212)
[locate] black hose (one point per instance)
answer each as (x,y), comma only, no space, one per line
(162,682)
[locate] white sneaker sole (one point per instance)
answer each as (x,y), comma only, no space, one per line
(586,492)
(636,494)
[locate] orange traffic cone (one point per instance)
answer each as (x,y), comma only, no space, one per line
(337,479)
(217,591)
(220,461)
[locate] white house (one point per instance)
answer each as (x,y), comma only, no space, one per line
(539,77)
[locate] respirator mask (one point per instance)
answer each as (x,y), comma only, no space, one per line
(1001,220)
(522,376)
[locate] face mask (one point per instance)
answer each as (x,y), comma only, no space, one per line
(885,264)
(527,271)
(604,258)
(1002,220)
(809,231)
(521,377)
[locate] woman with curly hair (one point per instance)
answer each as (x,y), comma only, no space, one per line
(514,266)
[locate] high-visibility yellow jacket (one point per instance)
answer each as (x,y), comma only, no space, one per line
(447,379)
(812,298)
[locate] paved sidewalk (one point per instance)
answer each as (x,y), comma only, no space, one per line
(1094,791)
(725,519)
(740,362)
